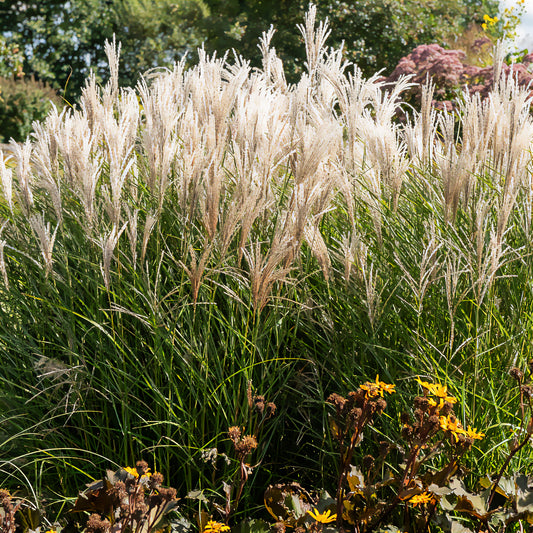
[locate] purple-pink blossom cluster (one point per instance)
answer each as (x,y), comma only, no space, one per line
(450,73)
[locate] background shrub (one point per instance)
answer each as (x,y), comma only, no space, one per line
(21,102)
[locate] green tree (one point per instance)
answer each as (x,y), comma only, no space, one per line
(62,41)
(376,33)
(156,33)
(11,60)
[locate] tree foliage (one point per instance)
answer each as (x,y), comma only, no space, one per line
(63,41)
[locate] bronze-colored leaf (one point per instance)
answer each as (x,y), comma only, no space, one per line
(524,495)
(335,428)
(410,490)
(457,527)
(356,480)
(472,504)
(288,502)
(96,498)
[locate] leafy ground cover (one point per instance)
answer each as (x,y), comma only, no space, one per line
(219,249)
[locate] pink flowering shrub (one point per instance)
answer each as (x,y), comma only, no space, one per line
(450,73)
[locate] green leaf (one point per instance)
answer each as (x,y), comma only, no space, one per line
(288,502)
(524,494)
(472,504)
(251,526)
(196,495)
(457,527)
(180,525)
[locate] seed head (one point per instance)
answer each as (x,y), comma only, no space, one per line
(434,422)
(421,403)
(234,433)
(368,462)
(446,408)
(405,418)
(259,404)
(527,391)
(337,400)
(142,467)
(407,432)
(516,373)
(381,405)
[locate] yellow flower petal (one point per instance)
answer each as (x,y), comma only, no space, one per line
(215,527)
(323,518)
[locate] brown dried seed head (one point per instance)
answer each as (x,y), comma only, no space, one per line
(421,402)
(142,467)
(119,489)
(381,405)
(168,494)
(249,394)
(434,422)
(142,508)
(278,527)
(405,418)
(446,409)
(355,414)
(157,478)
(234,433)
(368,462)
(96,525)
(259,404)
(527,391)
(384,448)
(407,432)
(516,373)
(356,398)
(249,443)
(337,400)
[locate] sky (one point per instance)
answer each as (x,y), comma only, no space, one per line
(525,30)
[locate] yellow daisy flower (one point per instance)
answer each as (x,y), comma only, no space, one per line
(371,390)
(132,471)
(452,425)
(215,527)
(421,499)
(323,518)
(441,391)
(377,388)
(473,434)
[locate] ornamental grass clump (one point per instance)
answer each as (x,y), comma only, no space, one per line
(166,245)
